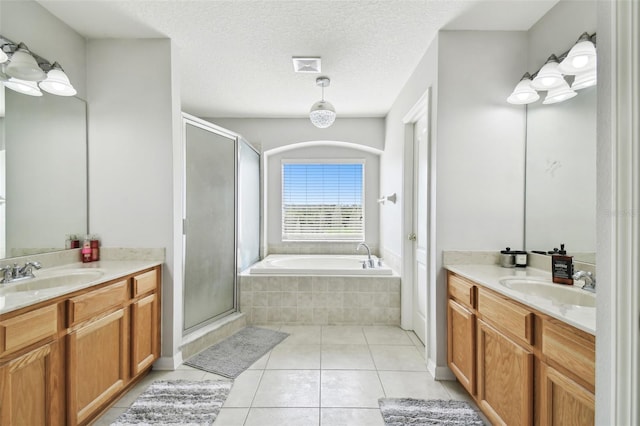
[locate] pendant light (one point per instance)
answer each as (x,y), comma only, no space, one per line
(24,66)
(57,82)
(523,93)
(322,113)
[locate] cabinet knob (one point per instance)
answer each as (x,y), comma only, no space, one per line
(411,237)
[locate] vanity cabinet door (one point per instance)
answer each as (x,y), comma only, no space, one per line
(461,344)
(505,378)
(144,333)
(98,364)
(32,388)
(563,402)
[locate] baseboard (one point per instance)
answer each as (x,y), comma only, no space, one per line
(168,362)
(440,373)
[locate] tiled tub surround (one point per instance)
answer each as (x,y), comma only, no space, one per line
(320,300)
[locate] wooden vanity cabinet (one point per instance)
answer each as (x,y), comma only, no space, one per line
(32,387)
(461,332)
(32,384)
(567,376)
(522,367)
(505,378)
(64,362)
(145,324)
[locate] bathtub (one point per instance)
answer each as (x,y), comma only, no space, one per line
(315,264)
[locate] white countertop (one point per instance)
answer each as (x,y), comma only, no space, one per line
(112,269)
(583,318)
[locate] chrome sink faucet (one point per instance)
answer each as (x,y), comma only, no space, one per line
(370,263)
(589,280)
(11,273)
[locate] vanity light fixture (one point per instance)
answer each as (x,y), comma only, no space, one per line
(559,94)
(579,62)
(322,113)
(24,66)
(57,82)
(3,56)
(27,73)
(581,57)
(523,93)
(25,87)
(549,76)
(585,79)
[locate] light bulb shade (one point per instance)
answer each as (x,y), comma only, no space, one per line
(581,57)
(585,79)
(3,73)
(322,114)
(559,94)
(24,66)
(549,76)
(523,93)
(23,86)
(57,82)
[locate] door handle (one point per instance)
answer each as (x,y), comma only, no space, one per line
(411,236)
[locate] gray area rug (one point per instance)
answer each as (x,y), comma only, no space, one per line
(180,402)
(418,412)
(238,352)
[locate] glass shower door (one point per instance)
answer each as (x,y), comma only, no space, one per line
(210,224)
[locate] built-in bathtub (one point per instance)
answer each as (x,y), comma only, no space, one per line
(317,264)
(319,290)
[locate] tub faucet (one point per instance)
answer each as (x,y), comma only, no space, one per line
(589,280)
(370,262)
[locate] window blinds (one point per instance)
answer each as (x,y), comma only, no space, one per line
(322,202)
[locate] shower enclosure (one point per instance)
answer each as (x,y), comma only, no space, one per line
(220,211)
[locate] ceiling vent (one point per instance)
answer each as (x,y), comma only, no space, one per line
(306,64)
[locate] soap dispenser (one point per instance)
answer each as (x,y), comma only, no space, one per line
(562,267)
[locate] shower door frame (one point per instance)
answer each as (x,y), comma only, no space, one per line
(188,119)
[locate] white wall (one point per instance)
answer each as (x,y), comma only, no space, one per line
(273,205)
(270,133)
(392,160)
(131,142)
(478,143)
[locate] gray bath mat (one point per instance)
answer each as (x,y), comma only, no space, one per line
(179,402)
(419,412)
(236,353)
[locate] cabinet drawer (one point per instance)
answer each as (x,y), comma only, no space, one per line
(145,283)
(462,290)
(570,348)
(506,315)
(93,303)
(31,327)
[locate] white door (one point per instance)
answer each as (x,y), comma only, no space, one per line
(420,225)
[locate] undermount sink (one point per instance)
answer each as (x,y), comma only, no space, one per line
(46,280)
(557,293)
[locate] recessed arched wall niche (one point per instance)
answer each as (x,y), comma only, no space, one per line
(318,152)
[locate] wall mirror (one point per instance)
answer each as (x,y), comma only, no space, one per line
(561,176)
(43,173)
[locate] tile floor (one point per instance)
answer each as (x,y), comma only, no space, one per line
(319,375)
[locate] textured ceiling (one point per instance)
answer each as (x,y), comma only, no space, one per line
(235,56)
